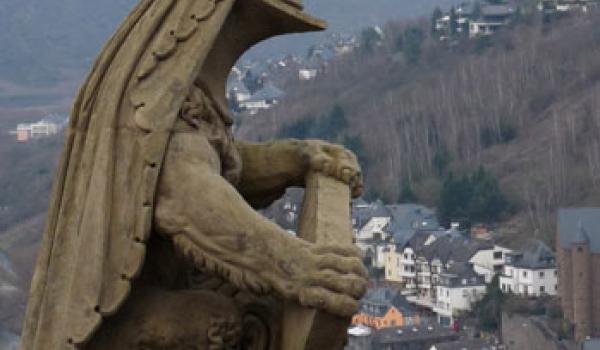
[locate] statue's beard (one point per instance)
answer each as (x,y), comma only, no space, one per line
(201,110)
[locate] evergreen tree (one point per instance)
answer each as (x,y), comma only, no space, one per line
(441,160)
(412,44)
(355,144)
(453,25)
(475,198)
(488,311)
(406,193)
(369,39)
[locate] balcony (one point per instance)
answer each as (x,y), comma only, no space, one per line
(421,301)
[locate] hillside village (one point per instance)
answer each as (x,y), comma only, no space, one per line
(430,281)
(437,283)
(252,85)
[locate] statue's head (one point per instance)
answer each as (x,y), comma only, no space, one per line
(292,11)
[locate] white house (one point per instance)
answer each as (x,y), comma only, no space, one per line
(374,229)
(307,74)
(265,98)
(459,288)
(531,271)
(493,17)
(49,126)
(490,262)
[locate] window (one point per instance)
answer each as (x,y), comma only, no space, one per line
(580,249)
(541,274)
(555,273)
(524,273)
(542,289)
(498,255)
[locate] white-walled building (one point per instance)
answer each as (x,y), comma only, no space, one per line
(531,271)
(490,262)
(374,229)
(49,126)
(459,288)
(307,74)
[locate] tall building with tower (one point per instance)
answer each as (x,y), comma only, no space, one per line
(578,251)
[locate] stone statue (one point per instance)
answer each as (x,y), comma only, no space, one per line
(152,240)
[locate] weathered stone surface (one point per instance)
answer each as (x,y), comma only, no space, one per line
(152,240)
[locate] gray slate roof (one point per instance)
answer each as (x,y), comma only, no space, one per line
(496,10)
(453,247)
(424,334)
(592,344)
(413,216)
(533,255)
(378,301)
(573,222)
(459,273)
(471,344)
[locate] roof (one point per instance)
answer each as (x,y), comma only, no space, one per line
(395,335)
(451,247)
(591,344)
(496,10)
(572,222)
(461,275)
(401,237)
(413,216)
(268,92)
(359,331)
(378,301)
(466,8)
(534,255)
(363,211)
(471,344)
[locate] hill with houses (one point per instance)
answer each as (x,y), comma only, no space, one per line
(429,107)
(509,88)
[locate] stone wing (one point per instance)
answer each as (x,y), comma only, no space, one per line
(101,211)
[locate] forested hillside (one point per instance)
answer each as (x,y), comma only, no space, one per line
(523,104)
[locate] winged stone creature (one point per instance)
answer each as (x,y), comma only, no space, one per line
(152,238)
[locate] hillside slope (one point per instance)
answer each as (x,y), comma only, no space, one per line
(524,104)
